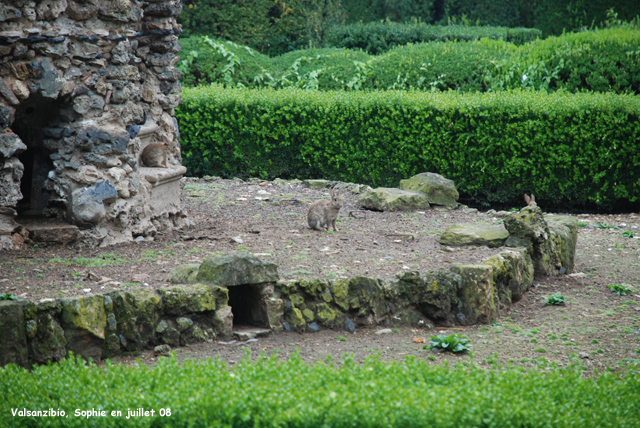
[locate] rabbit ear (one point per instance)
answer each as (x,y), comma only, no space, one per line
(331,192)
(526,198)
(533,198)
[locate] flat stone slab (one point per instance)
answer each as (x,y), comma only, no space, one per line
(475,234)
(391,199)
(237,269)
(438,190)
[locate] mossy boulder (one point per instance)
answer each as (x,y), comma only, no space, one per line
(137,313)
(366,296)
(295,318)
(183,274)
(222,321)
(339,289)
(434,294)
(490,235)
(84,320)
(313,287)
(275,313)
(319,184)
(237,269)
(193,298)
(13,337)
(556,255)
(477,295)
(328,316)
(390,199)
(512,274)
(437,189)
(48,342)
(528,223)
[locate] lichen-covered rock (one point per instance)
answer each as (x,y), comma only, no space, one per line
(319,184)
(237,269)
(556,255)
(434,294)
(49,342)
(491,235)
(193,298)
(84,320)
(313,286)
(183,274)
(295,318)
(168,333)
(137,313)
(528,223)
(340,292)
(13,338)
(390,199)
(477,294)
(275,312)
(222,321)
(329,317)
(437,189)
(512,274)
(366,296)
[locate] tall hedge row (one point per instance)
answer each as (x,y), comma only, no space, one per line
(568,149)
(378,37)
(604,60)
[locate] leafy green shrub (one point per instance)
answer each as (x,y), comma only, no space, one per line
(7,296)
(451,343)
(378,37)
(270,393)
(494,146)
(554,299)
(397,10)
(628,234)
(620,289)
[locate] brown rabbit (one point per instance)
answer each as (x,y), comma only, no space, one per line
(155,155)
(531,201)
(323,214)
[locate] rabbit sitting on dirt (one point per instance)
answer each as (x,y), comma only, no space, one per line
(531,201)
(323,214)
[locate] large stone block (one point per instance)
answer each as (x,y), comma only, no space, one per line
(390,199)
(13,335)
(434,294)
(527,223)
(512,274)
(477,294)
(137,312)
(366,296)
(437,189)
(84,321)
(237,269)
(183,274)
(556,255)
(47,341)
(192,299)
(491,235)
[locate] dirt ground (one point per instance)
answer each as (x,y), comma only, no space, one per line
(599,327)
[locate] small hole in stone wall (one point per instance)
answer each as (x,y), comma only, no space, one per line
(32,116)
(247,306)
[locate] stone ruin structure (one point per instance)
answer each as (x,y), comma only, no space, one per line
(85,85)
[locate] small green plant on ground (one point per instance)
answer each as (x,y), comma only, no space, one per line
(342,339)
(451,343)
(607,226)
(8,296)
(582,224)
(620,289)
(554,300)
(628,234)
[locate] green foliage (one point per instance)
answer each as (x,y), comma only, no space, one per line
(628,234)
(271,393)
(607,226)
(620,289)
(494,146)
(554,299)
(378,37)
(451,343)
(604,61)
(269,26)
(397,10)
(8,296)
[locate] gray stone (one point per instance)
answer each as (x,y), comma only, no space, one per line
(438,190)
(192,299)
(183,274)
(84,321)
(184,323)
(528,223)
(11,144)
(85,103)
(164,350)
(51,83)
(82,10)
(222,321)
(163,9)
(58,234)
(350,326)
(237,269)
(9,13)
(491,235)
(49,342)
(433,293)
(477,294)
(6,116)
(390,199)
(319,184)
(121,11)
(13,337)
(137,312)
(8,94)
(313,327)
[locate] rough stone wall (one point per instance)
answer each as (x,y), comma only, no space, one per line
(85,85)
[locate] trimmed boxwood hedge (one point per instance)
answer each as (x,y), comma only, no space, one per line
(269,393)
(568,149)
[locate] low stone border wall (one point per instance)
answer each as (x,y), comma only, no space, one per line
(207,297)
